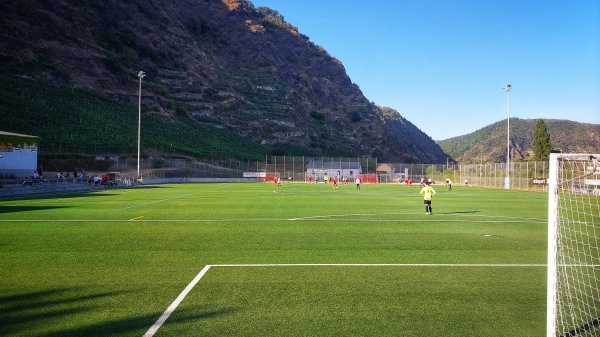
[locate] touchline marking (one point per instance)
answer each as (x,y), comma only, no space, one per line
(152,202)
(416,220)
(163,318)
(359,217)
(329,216)
(275,220)
(145,220)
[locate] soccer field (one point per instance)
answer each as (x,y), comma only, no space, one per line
(251,259)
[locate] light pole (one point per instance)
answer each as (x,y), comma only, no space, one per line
(507,179)
(141,75)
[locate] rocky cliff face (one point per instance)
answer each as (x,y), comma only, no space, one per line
(221,63)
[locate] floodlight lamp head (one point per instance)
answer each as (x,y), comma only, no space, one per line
(508,87)
(141,74)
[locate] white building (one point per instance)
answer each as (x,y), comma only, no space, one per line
(318,169)
(18,155)
(389,173)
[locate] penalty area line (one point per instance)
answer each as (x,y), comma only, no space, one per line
(161,320)
(383,265)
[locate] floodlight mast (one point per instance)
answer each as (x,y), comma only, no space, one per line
(507,179)
(141,75)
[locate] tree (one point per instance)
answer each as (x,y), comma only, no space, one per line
(541,142)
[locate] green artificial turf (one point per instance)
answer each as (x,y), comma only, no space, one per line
(109,263)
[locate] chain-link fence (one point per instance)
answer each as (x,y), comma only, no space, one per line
(154,167)
(523,175)
(317,169)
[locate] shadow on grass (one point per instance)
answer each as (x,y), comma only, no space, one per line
(89,194)
(140,323)
(150,186)
(21,208)
(74,194)
(40,310)
(21,312)
(49,196)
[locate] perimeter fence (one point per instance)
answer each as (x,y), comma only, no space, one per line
(523,175)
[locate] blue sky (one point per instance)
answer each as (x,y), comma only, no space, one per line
(443,64)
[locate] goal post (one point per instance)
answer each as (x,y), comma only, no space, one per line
(573,277)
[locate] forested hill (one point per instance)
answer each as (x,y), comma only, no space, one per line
(223,78)
(489,143)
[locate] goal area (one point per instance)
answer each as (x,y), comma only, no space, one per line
(573,292)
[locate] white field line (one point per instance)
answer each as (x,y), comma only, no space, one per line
(152,202)
(143,220)
(317,217)
(332,217)
(163,318)
(268,220)
(380,265)
(419,220)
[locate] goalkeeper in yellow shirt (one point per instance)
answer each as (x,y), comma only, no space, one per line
(427,192)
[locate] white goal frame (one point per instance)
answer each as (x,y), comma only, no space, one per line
(573,279)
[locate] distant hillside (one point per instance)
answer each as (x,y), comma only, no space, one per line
(489,143)
(223,78)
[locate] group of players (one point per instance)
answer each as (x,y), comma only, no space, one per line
(426,190)
(331,180)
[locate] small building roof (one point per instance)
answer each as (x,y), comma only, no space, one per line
(12,134)
(17,140)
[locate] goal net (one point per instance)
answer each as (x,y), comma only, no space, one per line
(573,298)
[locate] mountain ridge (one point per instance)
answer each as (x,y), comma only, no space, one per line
(489,144)
(210,65)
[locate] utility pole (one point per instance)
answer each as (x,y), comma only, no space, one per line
(141,75)
(507,179)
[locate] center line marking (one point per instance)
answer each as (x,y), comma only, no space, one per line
(152,202)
